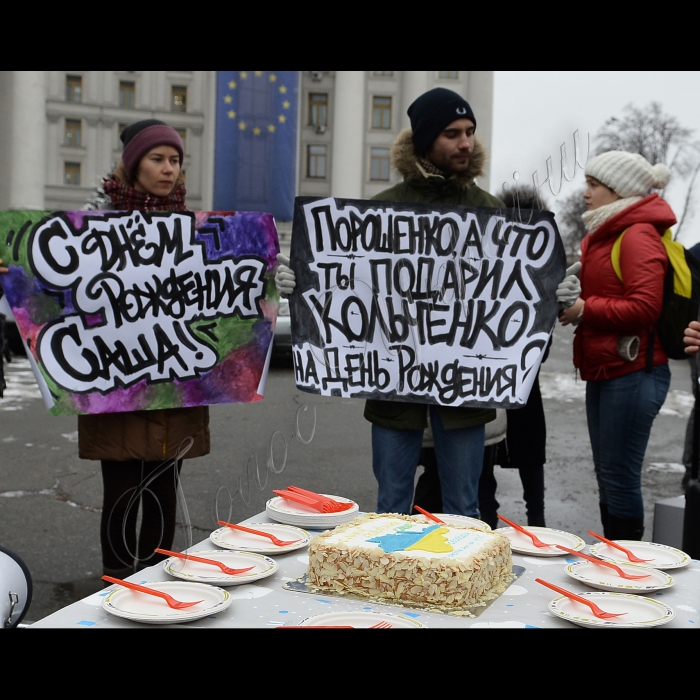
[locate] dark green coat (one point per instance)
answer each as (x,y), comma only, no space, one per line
(457,191)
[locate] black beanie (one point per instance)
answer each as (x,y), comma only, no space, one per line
(432,112)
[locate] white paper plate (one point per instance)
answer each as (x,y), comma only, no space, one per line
(360,620)
(142,607)
(228,538)
(290,513)
(605,579)
(522,544)
(662,556)
(189,570)
(640,611)
(460,520)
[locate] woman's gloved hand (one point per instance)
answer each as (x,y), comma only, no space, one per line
(285,279)
(569,289)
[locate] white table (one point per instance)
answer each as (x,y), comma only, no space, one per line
(266,604)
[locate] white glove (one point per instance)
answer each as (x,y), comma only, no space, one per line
(569,289)
(285,279)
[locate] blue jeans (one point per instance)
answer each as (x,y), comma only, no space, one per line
(459,454)
(620,415)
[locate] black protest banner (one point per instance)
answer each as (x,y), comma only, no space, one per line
(422,303)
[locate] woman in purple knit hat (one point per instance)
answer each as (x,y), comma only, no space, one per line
(141,451)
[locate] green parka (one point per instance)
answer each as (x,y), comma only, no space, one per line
(420,187)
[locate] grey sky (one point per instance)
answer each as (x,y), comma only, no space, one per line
(536,111)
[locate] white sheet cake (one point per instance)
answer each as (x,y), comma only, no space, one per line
(394,557)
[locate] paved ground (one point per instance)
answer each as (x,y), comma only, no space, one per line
(50,500)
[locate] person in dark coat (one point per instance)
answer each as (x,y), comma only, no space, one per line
(439,158)
(688,447)
(523,449)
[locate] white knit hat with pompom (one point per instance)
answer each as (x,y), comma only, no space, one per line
(628,174)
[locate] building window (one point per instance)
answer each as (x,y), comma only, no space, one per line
(71,173)
(383,73)
(127,94)
(74,88)
(318,109)
(178,102)
(183,136)
(316,162)
(379,164)
(448,74)
(381,112)
(74,128)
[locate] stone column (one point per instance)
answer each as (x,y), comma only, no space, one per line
(415,83)
(349,119)
(480,97)
(23,139)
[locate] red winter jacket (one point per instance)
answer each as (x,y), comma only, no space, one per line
(616,309)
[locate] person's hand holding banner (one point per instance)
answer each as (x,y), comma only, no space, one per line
(285,279)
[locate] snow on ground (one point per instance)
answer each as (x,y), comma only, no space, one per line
(21,385)
(568,388)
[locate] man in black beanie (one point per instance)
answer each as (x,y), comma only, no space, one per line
(439,158)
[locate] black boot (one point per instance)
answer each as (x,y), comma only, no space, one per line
(685,483)
(605,519)
(625,528)
(535,518)
(532,479)
(488,505)
(428,493)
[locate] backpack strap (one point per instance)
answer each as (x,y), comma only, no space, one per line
(682,278)
(615,255)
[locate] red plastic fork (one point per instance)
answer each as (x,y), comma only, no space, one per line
(430,516)
(337,505)
(595,560)
(276,541)
(298,498)
(630,555)
(226,569)
(579,599)
(175,604)
(535,540)
(316,504)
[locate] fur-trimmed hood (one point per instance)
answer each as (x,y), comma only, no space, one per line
(405,159)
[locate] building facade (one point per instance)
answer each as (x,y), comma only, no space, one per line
(59,130)
(349,120)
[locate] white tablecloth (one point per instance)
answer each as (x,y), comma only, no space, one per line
(266,604)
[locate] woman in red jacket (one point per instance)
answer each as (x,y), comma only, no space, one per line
(616,349)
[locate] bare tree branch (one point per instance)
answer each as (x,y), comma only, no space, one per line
(657,136)
(571,224)
(687,204)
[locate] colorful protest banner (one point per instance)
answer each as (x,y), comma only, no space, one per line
(125,311)
(421,303)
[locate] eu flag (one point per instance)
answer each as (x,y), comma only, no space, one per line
(256,138)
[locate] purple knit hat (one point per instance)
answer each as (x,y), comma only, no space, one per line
(140,138)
